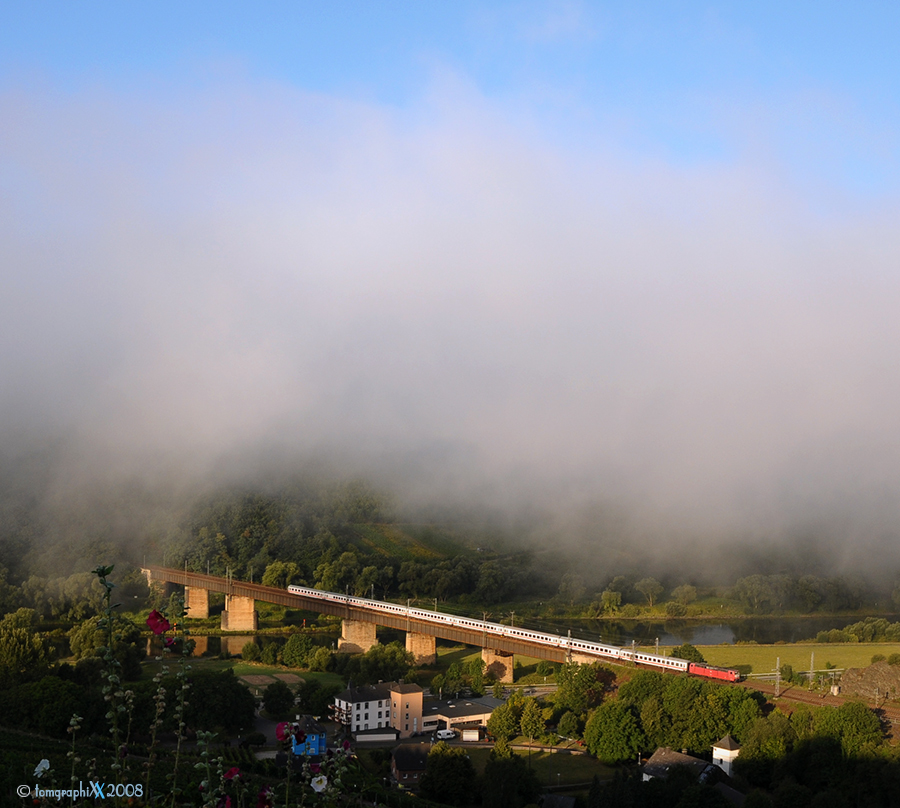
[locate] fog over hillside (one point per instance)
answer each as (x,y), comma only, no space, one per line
(242,281)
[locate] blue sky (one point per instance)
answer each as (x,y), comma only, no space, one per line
(640,253)
(814,86)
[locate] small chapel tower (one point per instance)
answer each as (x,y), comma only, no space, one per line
(724,752)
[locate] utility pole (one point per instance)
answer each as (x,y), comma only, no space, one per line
(512,619)
(812,668)
(657,646)
(777,676)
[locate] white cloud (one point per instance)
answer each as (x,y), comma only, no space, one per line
(191,278)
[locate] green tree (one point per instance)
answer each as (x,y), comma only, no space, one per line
(642,686)
(568,725)
(453,680)
(685,594)
(23,655)
(503,722)
(250,652)
(385,663)
(282,574)
(580,686)
(650,588)
(278,699)
(366,581)
(545,668)
(769,738)
(475,669)
(613,733)
(269,654)
(320,659)
(571,589)
(509,782)
(87,639)
(655,722)
(854,724)
(610,600)
(296,651)
(218,699)
(688,652)
(21,618)
(449,775)
(531,724)
(43,706)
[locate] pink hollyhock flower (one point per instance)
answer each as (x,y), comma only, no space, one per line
(169,642)
(233,772)
(283,731)
(299,736)
(157,622)
(315,768)
(225,802)
(346,745)
(264,798)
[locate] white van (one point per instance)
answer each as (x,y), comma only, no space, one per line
(446,734)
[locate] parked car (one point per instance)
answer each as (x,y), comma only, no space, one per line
(446,734)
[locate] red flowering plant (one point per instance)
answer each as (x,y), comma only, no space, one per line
(159,624)
(219,789)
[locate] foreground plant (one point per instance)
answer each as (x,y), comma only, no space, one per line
(159,624)
(119,701)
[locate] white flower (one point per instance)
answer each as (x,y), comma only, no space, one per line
(43,766)
(318,783)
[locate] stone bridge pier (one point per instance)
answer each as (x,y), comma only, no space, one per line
(357,637)
(240,614)
(499,665)
(196,602)
(422,647)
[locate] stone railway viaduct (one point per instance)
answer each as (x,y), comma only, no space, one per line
(358,624)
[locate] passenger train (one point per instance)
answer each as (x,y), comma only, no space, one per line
(570,644)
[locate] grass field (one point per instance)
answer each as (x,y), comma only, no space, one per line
(762,658)
(572,769)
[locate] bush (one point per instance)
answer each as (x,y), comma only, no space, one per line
(251,652)
(569,725)
(675,609)
(894,659)
(688,652)
(545,668)
(878,658)
(297,650)
(270,654)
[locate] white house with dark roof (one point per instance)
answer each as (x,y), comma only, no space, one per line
(387,704)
